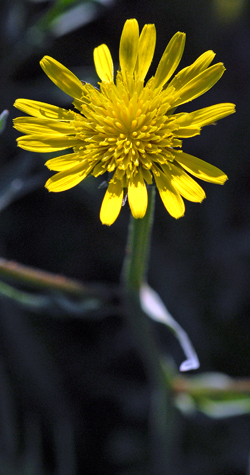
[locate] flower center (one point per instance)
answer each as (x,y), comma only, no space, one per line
(123,131)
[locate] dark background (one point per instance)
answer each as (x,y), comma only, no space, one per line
(74,393)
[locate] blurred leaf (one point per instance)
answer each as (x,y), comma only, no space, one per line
(3,120)
(68,15)
(43,280)
(221,409)
(57,305)
(62,17)
(215,394)
(57,9)
(31,301)
(72,19)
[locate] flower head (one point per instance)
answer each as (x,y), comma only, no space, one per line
(129,128)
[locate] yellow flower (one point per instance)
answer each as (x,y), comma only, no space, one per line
(129,127)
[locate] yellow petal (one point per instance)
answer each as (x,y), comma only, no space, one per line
(100,169)
(147,175)
(188,73)
(46,143)
(198,85)
(184,184)
(171,199)
(68,178)
(137,196)
(186,132)
(200,169)
(34,125)
(206,116)
(41,109)
(170,59)
(103,63)
(112,202)
(129,46)
(64,162)
(146,50)
(62,77)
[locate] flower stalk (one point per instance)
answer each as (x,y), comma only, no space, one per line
(134,275)
(137,251)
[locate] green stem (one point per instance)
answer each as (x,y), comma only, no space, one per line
(133,276)
(137,252)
